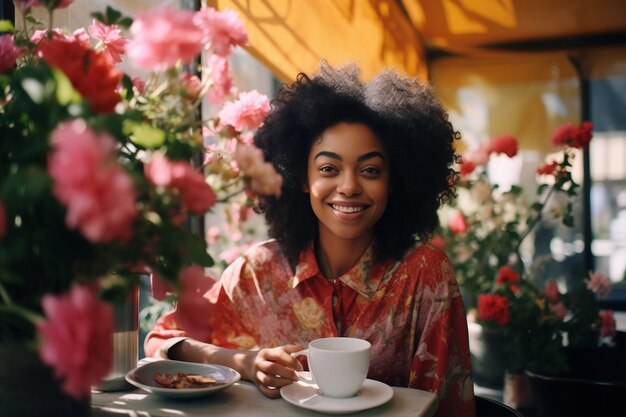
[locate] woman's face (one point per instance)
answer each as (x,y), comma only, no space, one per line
(348,181)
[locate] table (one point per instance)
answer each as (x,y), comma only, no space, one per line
(243,399)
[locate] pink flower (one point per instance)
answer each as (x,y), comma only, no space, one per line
(162,37)
(23,5)
(551,290)
(213,234)
(191,85)
(221,29)
(3,220)
(248,111)
(111,38)
(77,338)
(570,135)
(263,177)
(99,194)
(192,309)
(79,35)
(559,309)
(457,224)
(139,85)
(9,53)
(196,194)
(158,286)
(503,144)
(599,284)
(608,328)
(222,85)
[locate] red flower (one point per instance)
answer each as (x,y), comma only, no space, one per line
(506,275)
(458,224)
(551,290)
(493,307)
(467,167)
(91,73)
(570,135)
(608,323)
(503,144)
(548,169)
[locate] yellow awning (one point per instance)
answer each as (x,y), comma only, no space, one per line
(292,36)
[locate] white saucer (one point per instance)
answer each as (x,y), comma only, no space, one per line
(304,395)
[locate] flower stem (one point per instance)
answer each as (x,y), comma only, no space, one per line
(29,315)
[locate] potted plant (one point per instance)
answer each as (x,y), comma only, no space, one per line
(484,234)
(96,182)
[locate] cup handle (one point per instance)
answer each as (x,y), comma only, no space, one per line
(301,374)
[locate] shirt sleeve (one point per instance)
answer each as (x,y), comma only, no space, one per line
(441,363)
(223,324)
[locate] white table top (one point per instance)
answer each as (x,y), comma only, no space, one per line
(244,399)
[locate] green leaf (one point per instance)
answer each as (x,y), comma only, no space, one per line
(144,134)
(65,92)
(6,26)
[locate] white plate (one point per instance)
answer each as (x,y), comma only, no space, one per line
(304,395)
(143,377)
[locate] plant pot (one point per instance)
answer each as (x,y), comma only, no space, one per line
(594,385)
(488,359)
(517,392)
(29,388)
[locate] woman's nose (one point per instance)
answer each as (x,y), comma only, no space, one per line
(348,184)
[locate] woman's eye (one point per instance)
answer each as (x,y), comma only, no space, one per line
(371,171)
(327,168)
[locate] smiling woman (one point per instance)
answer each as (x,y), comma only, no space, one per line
(365,167)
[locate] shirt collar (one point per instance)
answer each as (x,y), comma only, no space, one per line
(364,277)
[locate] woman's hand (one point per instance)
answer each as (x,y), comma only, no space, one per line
(273,368)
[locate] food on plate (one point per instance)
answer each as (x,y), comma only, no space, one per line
(181,380)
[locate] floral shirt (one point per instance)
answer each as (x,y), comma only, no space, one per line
(411,311)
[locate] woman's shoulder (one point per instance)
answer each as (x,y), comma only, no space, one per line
(262,255)
(425,252)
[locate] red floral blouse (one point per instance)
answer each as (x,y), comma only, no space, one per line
(411,311)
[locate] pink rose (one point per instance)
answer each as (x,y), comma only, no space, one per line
(599,284)
(77,338)
(162,37)
(111,38)
(192,309)
(263,177)
(9,53)
(197,196)
(221,29)
(3,220)
(248,112)
(191,85)
(99,194)
(608,328)
(222,84)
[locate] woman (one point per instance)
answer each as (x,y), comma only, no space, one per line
(365,168)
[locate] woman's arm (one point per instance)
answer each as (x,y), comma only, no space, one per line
(269,368)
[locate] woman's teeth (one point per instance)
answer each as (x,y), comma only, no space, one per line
(345,209)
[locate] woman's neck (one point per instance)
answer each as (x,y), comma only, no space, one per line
(336,256)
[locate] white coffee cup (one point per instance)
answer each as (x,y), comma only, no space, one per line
(338,365)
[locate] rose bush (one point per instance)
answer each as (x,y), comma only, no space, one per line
(96,174)
(483,234)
